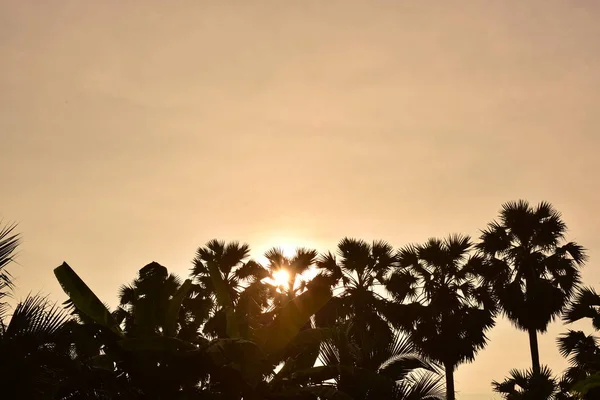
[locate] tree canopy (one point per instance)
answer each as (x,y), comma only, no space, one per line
(366,321)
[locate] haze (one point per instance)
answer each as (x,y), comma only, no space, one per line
(134,131)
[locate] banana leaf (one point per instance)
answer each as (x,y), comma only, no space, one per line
(84,299)
(224,299)
(174,307)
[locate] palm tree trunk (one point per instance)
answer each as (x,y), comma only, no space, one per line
(535,352)
(449,382)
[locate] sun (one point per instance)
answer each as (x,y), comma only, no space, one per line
(281,277)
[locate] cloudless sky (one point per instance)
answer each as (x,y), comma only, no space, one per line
(134,131)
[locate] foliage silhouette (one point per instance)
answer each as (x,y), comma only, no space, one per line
(373,323)
(528,385)
(236,269)
(9,242)
(533,271)
(360,268)
(391,370)
(451,311)
(582,376)
(293,266)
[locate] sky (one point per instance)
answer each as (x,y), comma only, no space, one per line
(136,131)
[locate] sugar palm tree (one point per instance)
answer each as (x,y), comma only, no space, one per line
(360,267)
(450,310)
(533,270)
(233,261)
(292,268)
(528,385)
(237,271)
(585,304)
(581,349)
(584,360)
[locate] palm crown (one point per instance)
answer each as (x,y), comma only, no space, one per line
(450,310)
(293,267)
(531,267)
(361,267)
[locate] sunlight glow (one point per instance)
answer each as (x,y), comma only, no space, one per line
(281,277)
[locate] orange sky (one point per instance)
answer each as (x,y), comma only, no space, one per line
(134,131)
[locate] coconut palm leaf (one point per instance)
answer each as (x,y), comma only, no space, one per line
(9,242)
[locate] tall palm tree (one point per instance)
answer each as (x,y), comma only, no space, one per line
(391,370)
(533,270)
(360,267)
(450,310)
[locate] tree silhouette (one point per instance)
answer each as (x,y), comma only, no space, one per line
(372,324)
(528,385)
(232,260)
(34,346)
(294,266)
(391,370)
(360,268)
(237,270)
(9,242)
(450,311)
(34,350)
(531,268)
(144,304)
(582,350)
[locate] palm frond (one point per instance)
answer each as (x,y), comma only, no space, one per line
(586,304)
(421,386)
(36,317)
(9,242)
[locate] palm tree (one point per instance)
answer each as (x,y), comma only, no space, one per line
(392,370)
(361,268)
(528,385)
(585,304)
(233,261)
(34,350)
(532,269)
(291,268)
(583,350)
(237,272)
(584,359)
(450,310)
(34,342)
(9,242)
